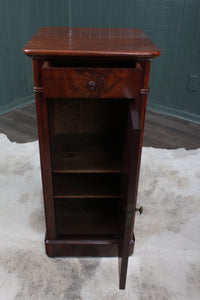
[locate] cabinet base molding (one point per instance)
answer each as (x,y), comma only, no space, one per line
(85,248)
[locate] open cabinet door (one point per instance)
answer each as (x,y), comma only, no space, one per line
(129,182)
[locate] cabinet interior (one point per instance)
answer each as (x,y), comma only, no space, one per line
(86,137)
(90,63)
(87,218)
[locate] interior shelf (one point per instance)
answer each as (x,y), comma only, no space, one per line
(86,185)
(86,153)
(87,219)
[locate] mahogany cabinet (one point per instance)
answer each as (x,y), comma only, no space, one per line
(91,89)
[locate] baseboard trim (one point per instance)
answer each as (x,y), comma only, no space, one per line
(17,103)
(174,112)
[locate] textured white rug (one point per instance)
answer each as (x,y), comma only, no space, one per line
(166,263)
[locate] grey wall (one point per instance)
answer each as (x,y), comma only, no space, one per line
(174,26)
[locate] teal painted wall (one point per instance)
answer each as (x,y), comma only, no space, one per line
(174,26)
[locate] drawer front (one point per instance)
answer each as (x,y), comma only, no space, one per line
(92,83)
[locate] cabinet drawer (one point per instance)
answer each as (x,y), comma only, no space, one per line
(92,82)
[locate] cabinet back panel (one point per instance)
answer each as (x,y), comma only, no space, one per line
(87,115)
(94,217)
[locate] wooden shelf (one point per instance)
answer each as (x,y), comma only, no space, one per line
(86,185)
(87,219)
(87,153)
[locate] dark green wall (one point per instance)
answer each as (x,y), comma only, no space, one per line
(174,26)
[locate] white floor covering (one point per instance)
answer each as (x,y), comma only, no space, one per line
(166,261)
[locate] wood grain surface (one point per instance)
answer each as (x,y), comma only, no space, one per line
(68,41)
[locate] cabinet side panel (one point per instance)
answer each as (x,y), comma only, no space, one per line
(45,153)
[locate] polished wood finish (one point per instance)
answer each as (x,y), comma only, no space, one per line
(91,89)
(86,247)
(129,184)
(45,155)
(92,42)
(91,83)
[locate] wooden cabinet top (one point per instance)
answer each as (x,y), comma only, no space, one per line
(97,42)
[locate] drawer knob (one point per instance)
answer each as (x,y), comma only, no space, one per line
(92,85)
(139,209)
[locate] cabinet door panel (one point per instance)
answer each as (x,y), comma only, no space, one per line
(129,181)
